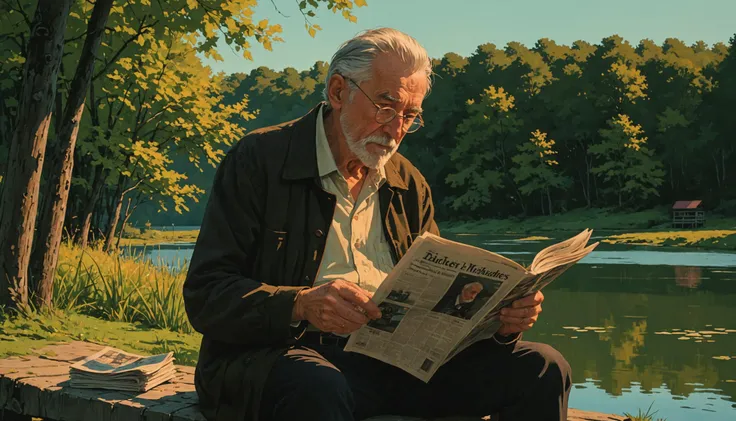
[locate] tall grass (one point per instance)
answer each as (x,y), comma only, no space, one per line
(117,288)
(644,416)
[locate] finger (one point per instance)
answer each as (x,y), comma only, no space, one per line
(519,320)
(361,298)
(522,312)
(327,320)
(528,301)
(348,312)
(342,326)
(346,328)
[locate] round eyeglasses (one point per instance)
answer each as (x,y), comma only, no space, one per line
(410,123)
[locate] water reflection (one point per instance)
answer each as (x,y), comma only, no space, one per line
(687,276)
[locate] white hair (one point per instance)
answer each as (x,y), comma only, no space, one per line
(354,58)
(469,285)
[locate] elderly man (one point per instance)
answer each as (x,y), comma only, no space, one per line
(460,304)
(304,221)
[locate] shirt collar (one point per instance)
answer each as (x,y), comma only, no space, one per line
(326,161)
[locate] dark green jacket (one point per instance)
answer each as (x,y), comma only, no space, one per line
(261,241)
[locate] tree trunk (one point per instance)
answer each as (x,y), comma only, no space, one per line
(549,202)
(125,221)
(541,200)
(114,215)
(718,172)
(19,201)
(60,176)
(83,235)
(723,166)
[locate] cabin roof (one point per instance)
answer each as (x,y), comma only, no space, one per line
(687,204)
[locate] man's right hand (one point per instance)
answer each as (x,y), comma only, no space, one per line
(337,306)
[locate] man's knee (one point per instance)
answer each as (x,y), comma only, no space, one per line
(305,384)
(550,366)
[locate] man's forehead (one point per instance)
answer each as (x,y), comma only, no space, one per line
(399,90)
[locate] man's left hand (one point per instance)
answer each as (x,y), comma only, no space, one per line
(521,314)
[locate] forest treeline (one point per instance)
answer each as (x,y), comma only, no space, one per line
(510,131)
(518,131)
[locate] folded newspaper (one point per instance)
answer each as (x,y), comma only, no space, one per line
(443,296)
(118,370)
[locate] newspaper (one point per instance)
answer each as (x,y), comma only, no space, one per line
(114,369)
(443,296)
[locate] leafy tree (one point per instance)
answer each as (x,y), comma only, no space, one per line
(131,31)
(626,162)
(537,170)
(482,155)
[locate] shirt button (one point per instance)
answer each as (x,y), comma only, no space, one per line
(319,233)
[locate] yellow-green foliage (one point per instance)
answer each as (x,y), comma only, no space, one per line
(711,238)
(127,289)
(21,335)
(153,237)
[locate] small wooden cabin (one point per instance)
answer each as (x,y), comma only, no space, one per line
(688,213)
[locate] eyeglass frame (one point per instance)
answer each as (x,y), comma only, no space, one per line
(379,109)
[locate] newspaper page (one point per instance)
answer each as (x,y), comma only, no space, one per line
(113,361)
(114,369)
(431,300)
(443,296)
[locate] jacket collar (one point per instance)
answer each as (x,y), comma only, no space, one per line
(301,158)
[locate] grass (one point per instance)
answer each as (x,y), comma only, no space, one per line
(20,335)
(597,219)
(721,239)
(650,227)
(136,237)
(644,416)
(116,288)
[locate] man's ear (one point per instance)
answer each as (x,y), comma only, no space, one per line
(337,93)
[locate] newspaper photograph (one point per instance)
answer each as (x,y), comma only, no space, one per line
(443,296)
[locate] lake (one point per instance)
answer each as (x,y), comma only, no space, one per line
(639,325)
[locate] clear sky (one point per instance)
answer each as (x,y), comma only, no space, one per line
(461,25)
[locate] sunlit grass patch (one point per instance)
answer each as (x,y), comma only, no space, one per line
(709,238)
(644,416)
(21,335)
(154,237)
(117,288)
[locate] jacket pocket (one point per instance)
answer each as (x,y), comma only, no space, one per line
(272,255)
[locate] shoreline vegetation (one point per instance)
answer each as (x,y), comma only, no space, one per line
(650,227)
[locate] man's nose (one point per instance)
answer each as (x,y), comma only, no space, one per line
(394,128)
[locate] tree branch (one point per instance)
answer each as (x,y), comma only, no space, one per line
(277,9)
(23,13)
(141,30)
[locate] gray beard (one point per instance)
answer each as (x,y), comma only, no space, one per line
(358,147)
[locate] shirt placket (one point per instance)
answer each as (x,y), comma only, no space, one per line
(363,265)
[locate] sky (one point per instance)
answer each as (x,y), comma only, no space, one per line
(459,26)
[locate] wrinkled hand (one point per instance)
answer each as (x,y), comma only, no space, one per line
(521,314)
(337,306)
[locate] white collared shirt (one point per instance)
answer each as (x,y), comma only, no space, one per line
(356,249)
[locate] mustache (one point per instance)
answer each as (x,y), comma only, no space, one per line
(387,141)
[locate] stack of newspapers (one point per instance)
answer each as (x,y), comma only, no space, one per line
(118,370)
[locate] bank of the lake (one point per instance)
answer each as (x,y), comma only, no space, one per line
(649,227)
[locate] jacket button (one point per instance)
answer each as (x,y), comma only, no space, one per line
(319,233)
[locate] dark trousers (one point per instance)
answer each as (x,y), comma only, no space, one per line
(524,381)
